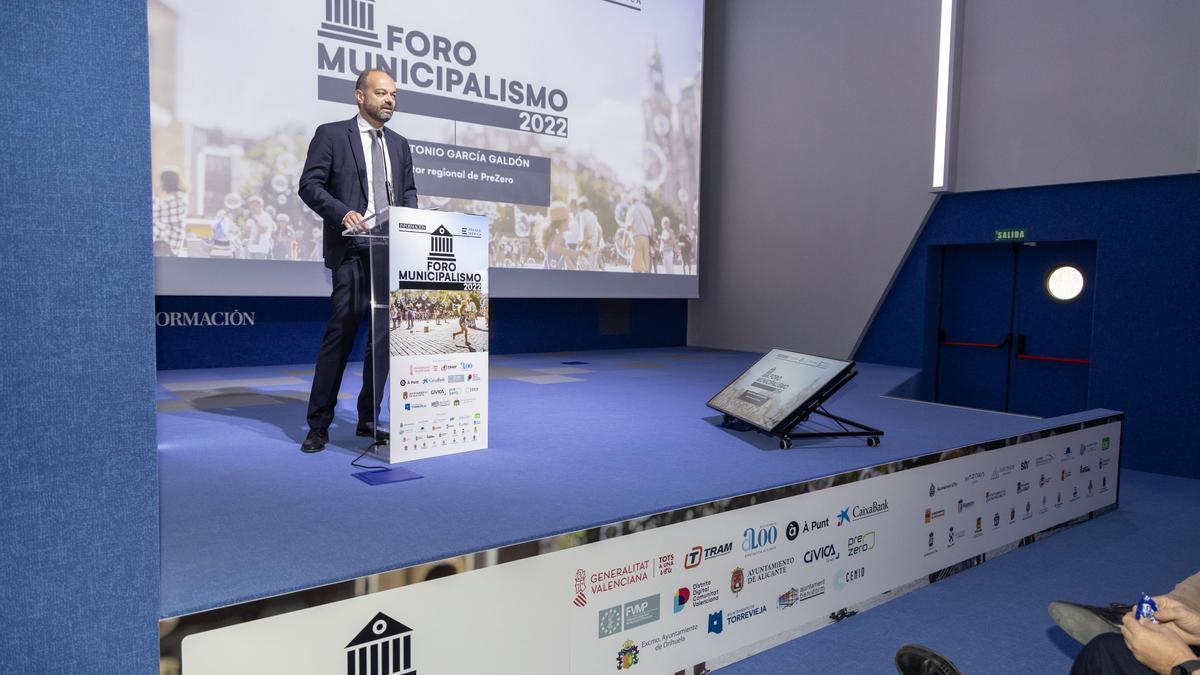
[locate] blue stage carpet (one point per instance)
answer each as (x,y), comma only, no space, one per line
(624,433)
(992,618)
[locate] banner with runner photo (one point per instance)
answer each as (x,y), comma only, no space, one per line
(438,333)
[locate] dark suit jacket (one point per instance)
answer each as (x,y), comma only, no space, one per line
(334,180)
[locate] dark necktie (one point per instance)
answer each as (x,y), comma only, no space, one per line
(379,178)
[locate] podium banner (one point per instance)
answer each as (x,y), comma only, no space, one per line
(438,338)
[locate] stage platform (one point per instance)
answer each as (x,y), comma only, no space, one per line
(577,440)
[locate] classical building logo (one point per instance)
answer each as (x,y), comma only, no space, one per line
(441,248)
(383,646)
(350,21)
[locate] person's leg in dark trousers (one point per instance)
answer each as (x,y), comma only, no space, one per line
(1107,654)
(347,302)
(377,359)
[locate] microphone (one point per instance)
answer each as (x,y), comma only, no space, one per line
(391,200)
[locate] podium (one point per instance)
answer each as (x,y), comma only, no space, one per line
(429,325)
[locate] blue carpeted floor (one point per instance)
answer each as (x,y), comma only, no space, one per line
(992,618)
(622,434)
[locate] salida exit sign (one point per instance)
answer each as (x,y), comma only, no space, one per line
(1011,234)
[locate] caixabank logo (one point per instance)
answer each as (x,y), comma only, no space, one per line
(383,646)
(859,511)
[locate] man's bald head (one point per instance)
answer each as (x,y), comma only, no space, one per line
(375,92)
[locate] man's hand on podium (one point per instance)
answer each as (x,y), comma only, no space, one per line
(351,221)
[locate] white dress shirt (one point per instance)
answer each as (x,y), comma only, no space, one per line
(364,135)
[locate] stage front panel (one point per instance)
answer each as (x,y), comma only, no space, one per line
(700,587)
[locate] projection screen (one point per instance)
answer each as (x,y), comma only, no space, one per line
(514,110)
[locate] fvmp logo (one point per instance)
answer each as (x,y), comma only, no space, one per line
(628,616)
(383,646)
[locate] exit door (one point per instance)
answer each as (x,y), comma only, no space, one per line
(1006,341)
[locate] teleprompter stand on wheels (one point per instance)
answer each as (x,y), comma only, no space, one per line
(783,391)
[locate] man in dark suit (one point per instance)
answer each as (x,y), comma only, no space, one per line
(353,171)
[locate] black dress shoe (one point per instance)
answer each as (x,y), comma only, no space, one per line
(1084,622)
(315,441)
(369,430)
(918,660)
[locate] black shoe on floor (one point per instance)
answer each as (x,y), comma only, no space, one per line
(918,660)
(369,430)
(315,441)
(1084,622)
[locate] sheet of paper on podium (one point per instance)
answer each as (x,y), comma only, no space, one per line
(439,328)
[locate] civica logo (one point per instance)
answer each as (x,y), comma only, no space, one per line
(826,552)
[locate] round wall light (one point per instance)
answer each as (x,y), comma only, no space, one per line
(1064,283)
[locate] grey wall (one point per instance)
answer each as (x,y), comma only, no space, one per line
(818,129)
(1066,91)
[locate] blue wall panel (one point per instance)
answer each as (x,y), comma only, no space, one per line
(289,330)
(79,495)
(1145,330)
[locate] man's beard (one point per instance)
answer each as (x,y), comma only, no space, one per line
(379,113)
